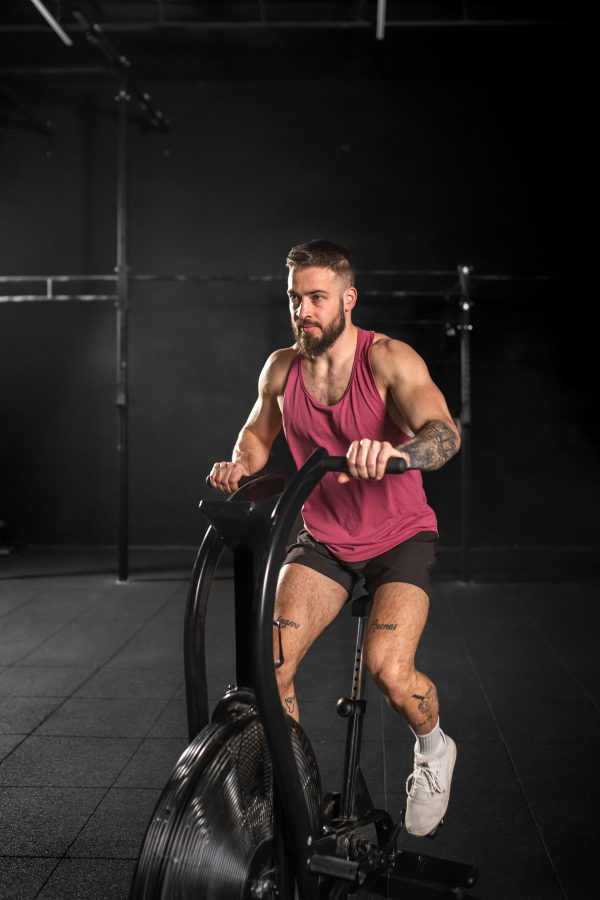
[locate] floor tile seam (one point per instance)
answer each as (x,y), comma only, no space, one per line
(12,750)
(39,725)
(555,652)
(101,858)
(112,786)
(101,737)
(58,787)
(91,737)
(14,665)
(91,605)
(499,730)
(49,637)
(24,602)
(17,785)
(38,696)
(99,668)
(81,612)
(132,636)
(50,874)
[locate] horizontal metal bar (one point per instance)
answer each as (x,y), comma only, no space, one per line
(524,277)
(316,24)
(378,320)
(56,70)
(398,273)
(16,278)
(282,277)
(394,294)
(436,273)
(24,298)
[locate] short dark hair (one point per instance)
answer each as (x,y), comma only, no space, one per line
(324,255)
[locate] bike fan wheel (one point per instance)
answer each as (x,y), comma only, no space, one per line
(212,829)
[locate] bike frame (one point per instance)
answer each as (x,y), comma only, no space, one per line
(259,549)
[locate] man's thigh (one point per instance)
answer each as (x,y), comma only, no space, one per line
(305,604)
(395,626)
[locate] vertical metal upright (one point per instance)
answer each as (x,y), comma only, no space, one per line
(122,304)
(465,327)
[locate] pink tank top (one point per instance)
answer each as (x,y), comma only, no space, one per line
(360,519)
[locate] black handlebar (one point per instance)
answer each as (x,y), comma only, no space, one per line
(395,466)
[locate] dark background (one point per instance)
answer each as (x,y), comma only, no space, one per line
(434,148)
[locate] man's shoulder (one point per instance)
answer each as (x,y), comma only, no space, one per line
(277,369)
(389,356)
(281,360)
(386,348)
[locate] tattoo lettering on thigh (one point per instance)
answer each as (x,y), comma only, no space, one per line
(287,623)
(427,700)
(381,626)
(290,702)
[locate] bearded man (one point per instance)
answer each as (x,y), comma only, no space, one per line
(361,394)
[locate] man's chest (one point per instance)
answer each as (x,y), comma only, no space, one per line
(328,390)
(328,387)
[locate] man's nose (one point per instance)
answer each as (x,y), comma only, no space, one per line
(305,309)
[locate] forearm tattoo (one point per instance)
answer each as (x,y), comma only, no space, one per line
(432,447)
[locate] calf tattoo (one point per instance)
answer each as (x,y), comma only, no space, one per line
(381,626)
(287,623)
(432,447)
(290,702)
(427,700)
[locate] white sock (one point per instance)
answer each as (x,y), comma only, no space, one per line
(431,744)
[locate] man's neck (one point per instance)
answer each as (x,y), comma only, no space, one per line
(337,355)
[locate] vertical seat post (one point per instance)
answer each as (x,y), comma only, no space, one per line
(354,709)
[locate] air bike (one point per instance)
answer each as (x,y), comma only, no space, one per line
(242,816)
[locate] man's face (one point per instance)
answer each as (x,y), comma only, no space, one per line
(317,309)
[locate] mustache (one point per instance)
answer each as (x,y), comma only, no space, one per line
(300,322)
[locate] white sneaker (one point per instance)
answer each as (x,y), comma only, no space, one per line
(428,789)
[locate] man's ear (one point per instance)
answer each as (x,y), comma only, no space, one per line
(350,297)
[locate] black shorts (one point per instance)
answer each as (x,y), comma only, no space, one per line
(410,562)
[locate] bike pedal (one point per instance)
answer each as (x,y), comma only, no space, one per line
(433,834)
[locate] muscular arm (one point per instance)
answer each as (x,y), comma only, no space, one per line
(419,404)
(254,442)
(422,406)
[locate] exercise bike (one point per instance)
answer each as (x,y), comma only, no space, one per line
(242,816)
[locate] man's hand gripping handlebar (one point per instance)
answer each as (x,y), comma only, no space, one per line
(225,478)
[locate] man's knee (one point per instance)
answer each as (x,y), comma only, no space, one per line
(396,680)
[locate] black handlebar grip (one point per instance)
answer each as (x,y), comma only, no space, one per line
(396,465)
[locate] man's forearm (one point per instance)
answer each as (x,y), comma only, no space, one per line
(433,446)
(250,451)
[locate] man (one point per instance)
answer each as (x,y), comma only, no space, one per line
(361,394)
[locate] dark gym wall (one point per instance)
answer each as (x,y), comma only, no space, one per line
(407,173)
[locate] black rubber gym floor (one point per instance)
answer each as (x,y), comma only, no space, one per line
(92,719)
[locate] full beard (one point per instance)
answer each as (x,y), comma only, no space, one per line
(311,346)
